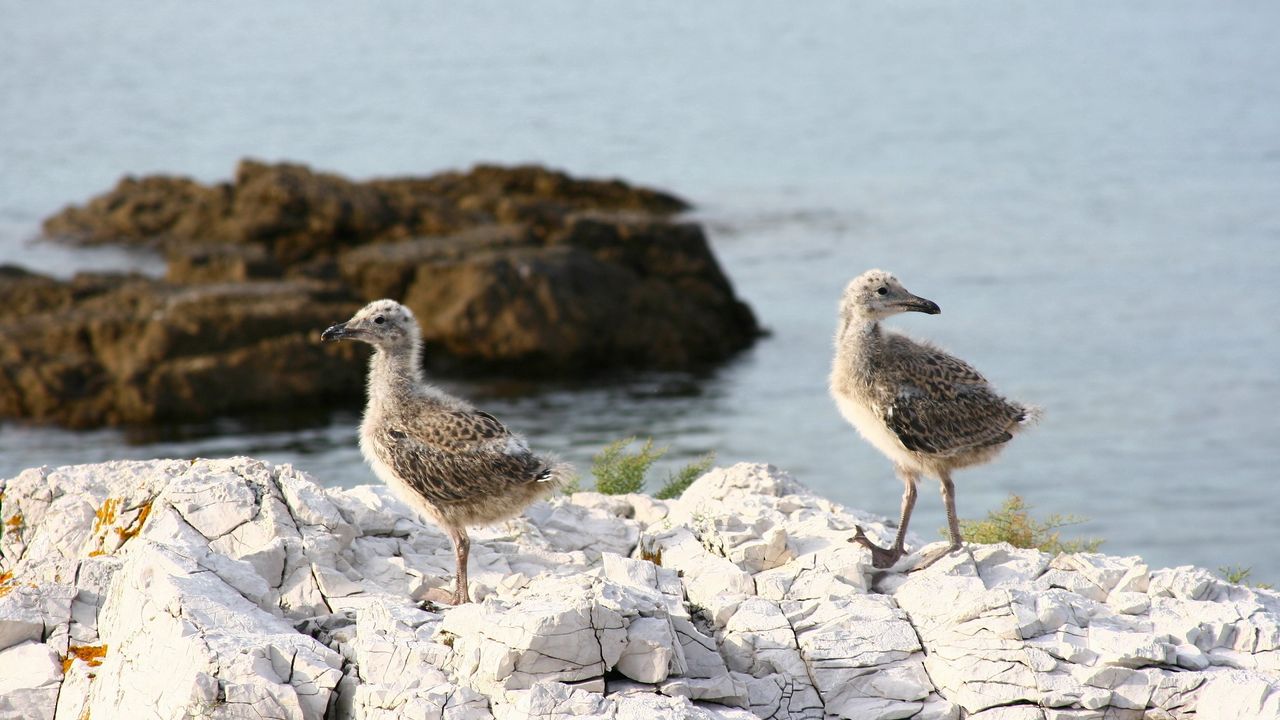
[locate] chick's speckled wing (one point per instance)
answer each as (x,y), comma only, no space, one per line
(449,456)
(456,430)
(938,404)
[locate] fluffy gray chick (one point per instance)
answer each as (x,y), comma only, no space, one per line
(929,412)
(456,465)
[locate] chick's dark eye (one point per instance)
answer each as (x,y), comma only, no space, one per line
(882,291)
(379,320)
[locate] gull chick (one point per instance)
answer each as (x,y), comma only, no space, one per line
(929,412)
(456,465)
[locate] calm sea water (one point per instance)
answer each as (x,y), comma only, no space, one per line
(1090,190)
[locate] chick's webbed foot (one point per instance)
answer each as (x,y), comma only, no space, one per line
(880,557)
(441,596)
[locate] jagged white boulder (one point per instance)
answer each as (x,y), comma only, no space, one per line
(233,588)
(30,678)
(180,638)
(512,646)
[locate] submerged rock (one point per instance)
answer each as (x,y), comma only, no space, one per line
(228,587)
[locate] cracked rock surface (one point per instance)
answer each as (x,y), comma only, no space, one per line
(238,589)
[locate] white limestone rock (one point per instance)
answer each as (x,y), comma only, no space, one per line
(651,651)
(499,646)
(548,700)
(28,611)
(54,519)
(225,588)
(30,677)
(741,480)
(648,706)
(648,510)
(863,655)
(399,667)
(758,640)
(1002,565)
(568,527)
(178,638)
(563,630)
(1084,636)
(615,505)
(1237,694)
(711,581)
(1128,643)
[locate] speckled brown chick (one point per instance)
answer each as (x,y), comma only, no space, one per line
(929,412)
(456,465)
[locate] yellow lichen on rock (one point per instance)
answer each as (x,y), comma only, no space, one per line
(91,655)
(136,526)
(106,514)
(106,518)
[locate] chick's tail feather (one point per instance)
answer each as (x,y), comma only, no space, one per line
(557,474)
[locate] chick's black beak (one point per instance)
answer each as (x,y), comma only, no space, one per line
(335,332)
(919,304)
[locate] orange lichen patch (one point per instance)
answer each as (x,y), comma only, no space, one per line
(14,521)
(106,514)
(91,655)
(5,585)
(654,557)
(102,520)
(136,526)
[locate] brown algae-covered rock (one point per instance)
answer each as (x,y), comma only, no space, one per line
(522,270)
(298,213)
(130,349)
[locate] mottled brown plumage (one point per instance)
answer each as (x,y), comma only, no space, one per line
(929,412)
(455,464)
(464,464)
(937,405)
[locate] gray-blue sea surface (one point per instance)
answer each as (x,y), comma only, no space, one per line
(1090,190)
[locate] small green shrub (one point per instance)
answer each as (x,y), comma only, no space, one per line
(1237,575)
(1012,523)
(679,481)
(618,471)
(1234,574)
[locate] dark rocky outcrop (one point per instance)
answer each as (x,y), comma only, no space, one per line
(520,270)
(601,292)
(112,349)
(298,214)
